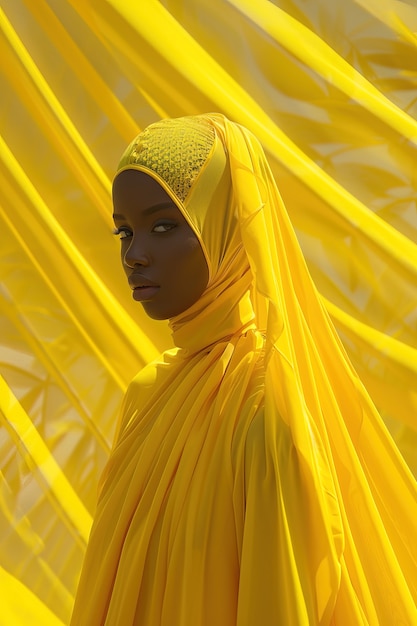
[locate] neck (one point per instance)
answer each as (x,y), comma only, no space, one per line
(217,316)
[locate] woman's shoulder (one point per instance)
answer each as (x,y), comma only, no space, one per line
(147,376)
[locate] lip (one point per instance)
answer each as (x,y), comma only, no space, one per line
(143,289)
(137,280)
(142,294)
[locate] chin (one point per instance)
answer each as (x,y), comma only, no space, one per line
(156,315)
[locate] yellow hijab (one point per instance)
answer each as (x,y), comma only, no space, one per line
(252,480)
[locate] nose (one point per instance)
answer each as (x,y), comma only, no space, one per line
(135,254)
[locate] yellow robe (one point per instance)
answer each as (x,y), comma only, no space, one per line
(252,480)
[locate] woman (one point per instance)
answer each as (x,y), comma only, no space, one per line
(252,482)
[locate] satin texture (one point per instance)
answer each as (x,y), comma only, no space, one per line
(327,87)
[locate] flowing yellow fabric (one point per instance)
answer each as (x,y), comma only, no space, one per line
(252,480)
(330,90)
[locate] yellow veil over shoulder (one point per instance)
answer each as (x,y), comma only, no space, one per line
(252,480)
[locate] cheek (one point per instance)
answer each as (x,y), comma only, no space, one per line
(197,263)
(123,248)
(192,267)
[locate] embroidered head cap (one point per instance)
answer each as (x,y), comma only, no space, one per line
(174,149)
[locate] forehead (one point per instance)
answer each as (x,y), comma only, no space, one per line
(135,189)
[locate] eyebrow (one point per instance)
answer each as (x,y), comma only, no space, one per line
(149,210)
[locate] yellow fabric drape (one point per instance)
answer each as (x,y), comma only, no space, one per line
(252,478)
(329,89)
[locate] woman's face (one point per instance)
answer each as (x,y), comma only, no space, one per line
(162,257)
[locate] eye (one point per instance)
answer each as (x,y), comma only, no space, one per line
(163,227)
(123,231)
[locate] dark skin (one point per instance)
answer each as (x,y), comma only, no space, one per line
(161,255)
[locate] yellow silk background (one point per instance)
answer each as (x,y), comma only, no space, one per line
(329,87)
